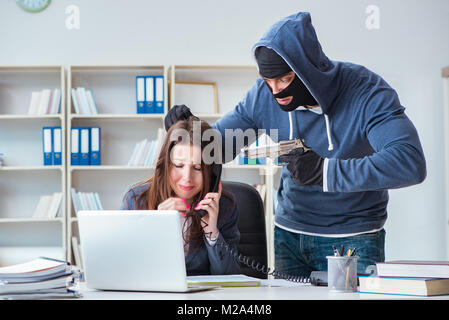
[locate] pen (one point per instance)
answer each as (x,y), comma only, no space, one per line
(353,252)
(348,253)
(336,254)
(342,250)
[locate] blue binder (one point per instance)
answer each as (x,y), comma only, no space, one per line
(47,143)
(159,94)
(84,145)
(95,146)
(57,146)
(74,146)
(140,94)
(149,94)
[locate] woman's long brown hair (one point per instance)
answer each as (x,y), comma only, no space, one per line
(160,188)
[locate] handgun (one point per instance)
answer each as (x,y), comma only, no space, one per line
(273,150)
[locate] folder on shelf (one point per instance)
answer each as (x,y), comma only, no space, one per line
(47,141)
(83,102)
(91,100)
(149,94)
(57,146)
(95,146)
(35,101)
(55,102)
(75,146)
(44,102)
(75,101)
(140,94)
(159,94)
(84,145)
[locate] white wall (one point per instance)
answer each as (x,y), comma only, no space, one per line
(408,50)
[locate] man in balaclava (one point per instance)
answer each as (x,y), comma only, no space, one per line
(360,139)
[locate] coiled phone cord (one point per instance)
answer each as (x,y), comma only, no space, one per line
(255,265)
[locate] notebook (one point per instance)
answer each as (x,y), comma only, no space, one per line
(131,250)
(226,280)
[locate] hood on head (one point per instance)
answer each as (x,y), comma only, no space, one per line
(295,40)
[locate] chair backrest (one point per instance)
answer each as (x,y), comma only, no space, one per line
(253,240)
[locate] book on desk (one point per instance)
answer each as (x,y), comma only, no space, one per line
(407,277)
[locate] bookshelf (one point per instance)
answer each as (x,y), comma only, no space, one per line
(23,177)
(114,90)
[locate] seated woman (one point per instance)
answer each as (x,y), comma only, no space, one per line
(181,181)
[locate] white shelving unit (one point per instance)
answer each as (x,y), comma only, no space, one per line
(114,91)
(23,177)
(445,76)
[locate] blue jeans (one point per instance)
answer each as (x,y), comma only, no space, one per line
(299,254)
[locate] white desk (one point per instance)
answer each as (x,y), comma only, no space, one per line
(295,292)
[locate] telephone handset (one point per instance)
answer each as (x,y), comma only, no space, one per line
(214,183)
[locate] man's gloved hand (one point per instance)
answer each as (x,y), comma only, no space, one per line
(306,168)
(176,113)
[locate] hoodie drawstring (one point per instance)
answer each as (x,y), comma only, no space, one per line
(291,126)
(328,131)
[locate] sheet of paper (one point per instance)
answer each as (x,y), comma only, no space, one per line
(31,266)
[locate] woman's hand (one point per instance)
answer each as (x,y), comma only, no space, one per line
(210,203)
(178,204)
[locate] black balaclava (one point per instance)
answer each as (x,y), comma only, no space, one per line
(272,66)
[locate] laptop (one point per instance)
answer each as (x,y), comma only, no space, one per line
(133,250)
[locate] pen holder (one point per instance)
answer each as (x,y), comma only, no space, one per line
(342,273)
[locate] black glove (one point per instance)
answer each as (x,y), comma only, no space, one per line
(306,168)
(176,113)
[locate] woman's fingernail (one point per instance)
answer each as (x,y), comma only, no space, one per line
(183,200)
(196,206)
(187,206)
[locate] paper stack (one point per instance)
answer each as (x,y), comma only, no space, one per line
(38,279)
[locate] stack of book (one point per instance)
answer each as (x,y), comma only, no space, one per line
(404,277)
(145,152)
(38,279)
(48,206)
(85,200)
(83,101)
(46,101)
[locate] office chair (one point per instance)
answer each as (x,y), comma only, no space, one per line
(253,240)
